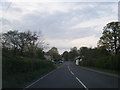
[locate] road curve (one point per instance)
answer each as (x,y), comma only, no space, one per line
(69,75)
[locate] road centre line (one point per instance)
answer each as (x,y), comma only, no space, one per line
(72,73)
(50,73)
(78,79)
(69,68)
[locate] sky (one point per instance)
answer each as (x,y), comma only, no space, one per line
(63,24)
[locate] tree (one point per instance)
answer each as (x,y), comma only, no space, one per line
(10,40)
(23,42)
(65,55)
(54,53)
(73,53)
(111,37)
(40,53)
(83,51)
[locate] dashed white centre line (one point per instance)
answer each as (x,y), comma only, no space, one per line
(77,78)
(68,68)
(72,73)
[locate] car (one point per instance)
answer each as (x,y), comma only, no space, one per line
(61,61)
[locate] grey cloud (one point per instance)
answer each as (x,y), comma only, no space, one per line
(15,9)
(5,21)
(58,26)
(52,26)
(8,6)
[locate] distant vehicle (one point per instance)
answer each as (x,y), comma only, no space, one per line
(58,61)
(61,61)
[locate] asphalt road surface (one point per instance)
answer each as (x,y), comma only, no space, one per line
(69,75)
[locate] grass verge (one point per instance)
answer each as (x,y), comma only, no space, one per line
(57,65)
(104,70)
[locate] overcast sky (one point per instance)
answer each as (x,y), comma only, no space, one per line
(63,24)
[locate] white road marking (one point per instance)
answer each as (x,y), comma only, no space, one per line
(38,80)
(82,83)
(50,73)
(68,68)
(77,78)
(72,73)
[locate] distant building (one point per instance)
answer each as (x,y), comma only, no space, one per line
(78,57)
(77,60)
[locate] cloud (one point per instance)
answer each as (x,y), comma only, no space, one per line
(64,0)
(95,22)
(63,25)
(66,44)
(91,41)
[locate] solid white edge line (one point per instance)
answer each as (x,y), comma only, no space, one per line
(38,80)
(82,83)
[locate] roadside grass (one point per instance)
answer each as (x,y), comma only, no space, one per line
(104,70)
(19,79)
(57,65)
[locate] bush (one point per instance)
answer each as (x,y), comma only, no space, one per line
(102,61)
(18,70)
(19,66)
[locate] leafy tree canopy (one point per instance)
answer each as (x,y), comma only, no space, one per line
(111,37)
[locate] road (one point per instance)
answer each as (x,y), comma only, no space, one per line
(69,75)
